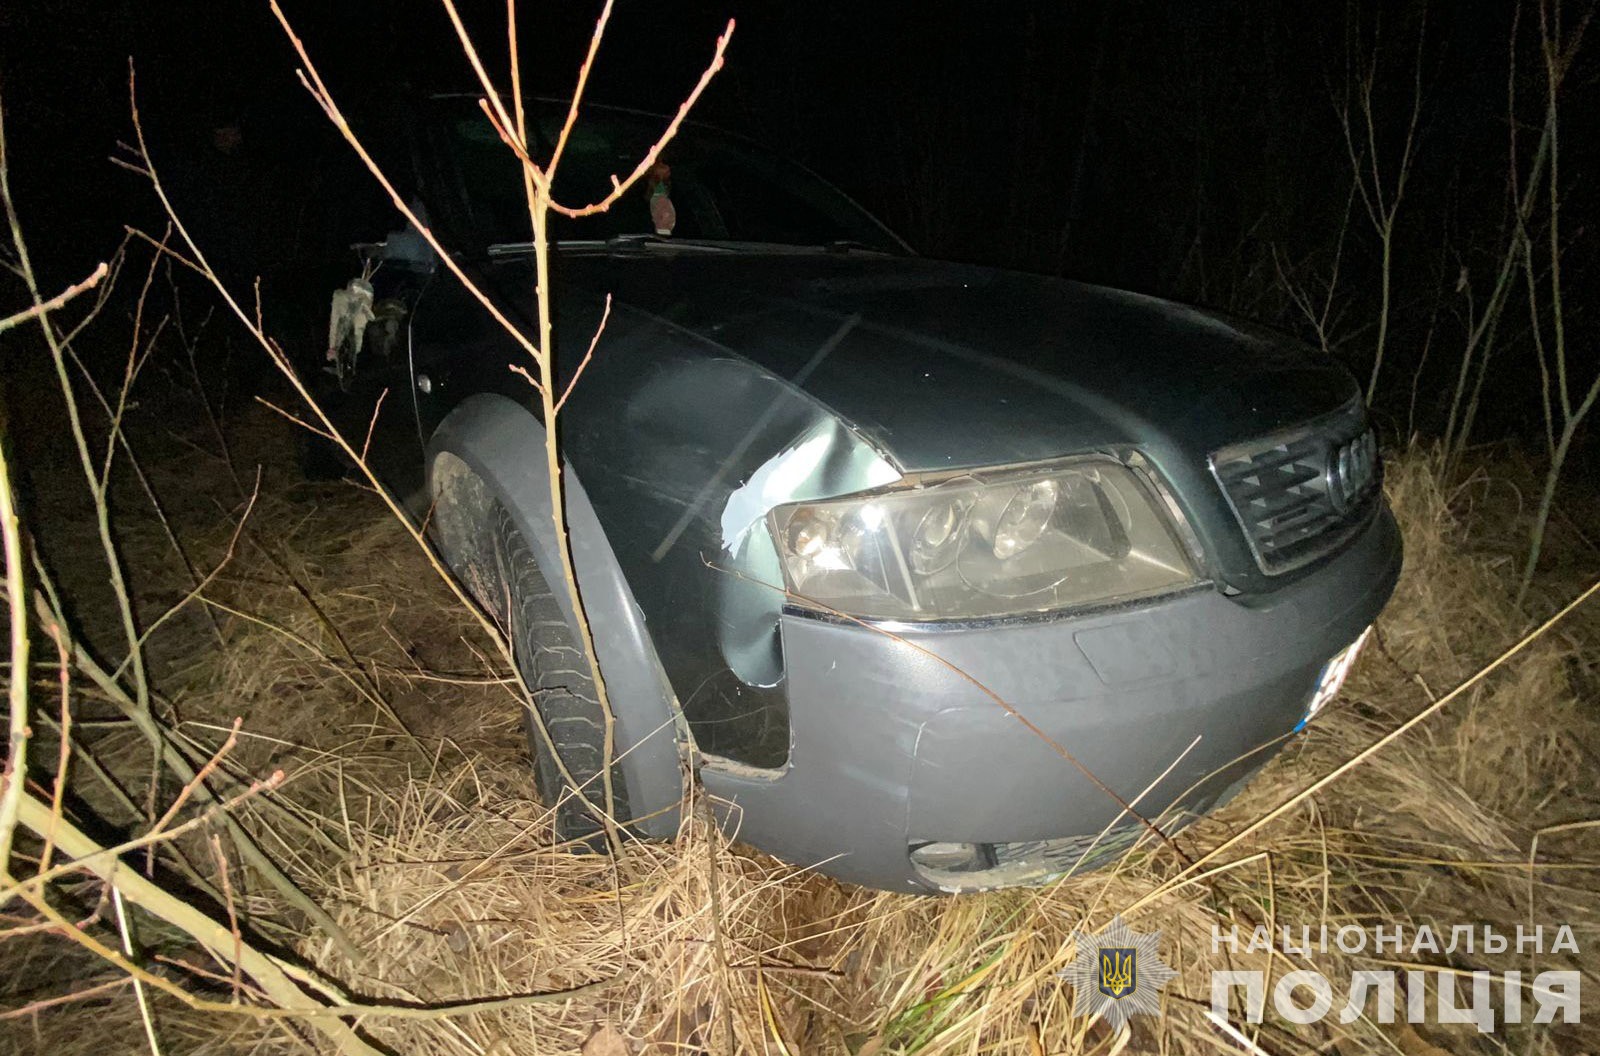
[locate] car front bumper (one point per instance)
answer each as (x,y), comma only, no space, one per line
(1172,703)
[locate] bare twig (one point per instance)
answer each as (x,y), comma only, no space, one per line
(1382,204)
(577,91)
(16,769)
(595,340)
(63,753)
(83,994)
(1482,331)
(199,588)
(174,758)
(16,765)
(233,916)
(372,426)
(651,156)
(46,307)
(1557,55)
(218,809)
(146,1017)
(199,778)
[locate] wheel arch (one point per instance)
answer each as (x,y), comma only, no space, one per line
(491,448)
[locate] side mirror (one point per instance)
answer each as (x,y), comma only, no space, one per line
(409,250)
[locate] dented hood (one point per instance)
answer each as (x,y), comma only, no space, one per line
(946,366)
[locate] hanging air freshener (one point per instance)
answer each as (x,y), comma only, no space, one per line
(663,214)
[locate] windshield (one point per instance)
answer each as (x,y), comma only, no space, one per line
(717,187)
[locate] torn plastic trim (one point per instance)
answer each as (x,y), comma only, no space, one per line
(826,460)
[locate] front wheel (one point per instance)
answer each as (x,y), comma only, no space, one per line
(556,671)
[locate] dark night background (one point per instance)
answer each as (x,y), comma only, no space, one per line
(1188,150)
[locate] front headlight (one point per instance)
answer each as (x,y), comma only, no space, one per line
(985,544)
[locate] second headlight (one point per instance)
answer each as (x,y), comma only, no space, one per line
(985,544)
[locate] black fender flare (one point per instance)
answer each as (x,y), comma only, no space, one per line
(502,443)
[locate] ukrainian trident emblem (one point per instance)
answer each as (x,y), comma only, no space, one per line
(1116,973)
(1119,971)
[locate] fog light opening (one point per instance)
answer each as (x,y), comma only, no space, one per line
(952,857)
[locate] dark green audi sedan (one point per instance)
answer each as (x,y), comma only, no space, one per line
(936,577)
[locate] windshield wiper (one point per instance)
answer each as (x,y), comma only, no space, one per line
(643,241)
(849,245)
(632,241)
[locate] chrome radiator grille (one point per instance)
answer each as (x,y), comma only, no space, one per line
(1301,493)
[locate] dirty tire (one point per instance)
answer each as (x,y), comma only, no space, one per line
(556,671)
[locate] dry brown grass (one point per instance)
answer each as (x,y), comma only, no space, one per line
(409,813)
